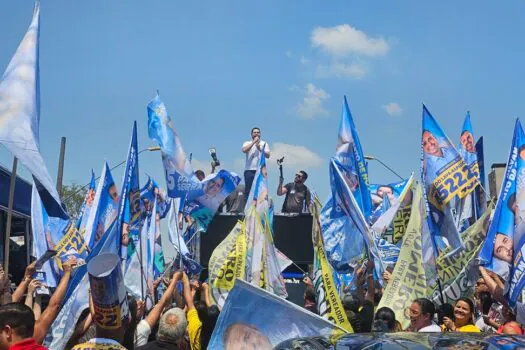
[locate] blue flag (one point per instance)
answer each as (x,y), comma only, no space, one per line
(350,155)
(447,179)
(104,210)
(20,114)
(344,200)
(87,205)
(503,249)
(181,181)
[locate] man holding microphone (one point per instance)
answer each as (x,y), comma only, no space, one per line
(253,150)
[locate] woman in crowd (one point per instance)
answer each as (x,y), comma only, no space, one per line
(384,320)
(421,314)
(463,317)
(483,304)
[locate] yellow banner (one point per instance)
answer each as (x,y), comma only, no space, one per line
(408,279)
(329,303)
(227,262)
(71,241)
(400,222)
(456,180)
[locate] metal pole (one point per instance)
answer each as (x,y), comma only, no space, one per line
(10,215)
(383,164)
(60,173)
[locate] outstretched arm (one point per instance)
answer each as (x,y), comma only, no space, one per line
(154,314)
(22,287)
(51,312)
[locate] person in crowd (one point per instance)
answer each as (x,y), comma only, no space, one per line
(253,150)
(297,195)
(509,325)
(145,326)
(208,325)
(105,272)
(421,314)
(463,317)
(17,323)
(200,175)
(483,305)
(362,318)
(172,329)
(310,298)
(236,201)
(194,323)
(387,317)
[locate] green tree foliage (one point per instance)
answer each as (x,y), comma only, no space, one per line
(73,197)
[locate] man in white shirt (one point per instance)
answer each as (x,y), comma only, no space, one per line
(253,150)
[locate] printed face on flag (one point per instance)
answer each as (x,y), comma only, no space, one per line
(467,141)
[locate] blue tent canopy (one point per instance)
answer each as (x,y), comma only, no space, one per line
(22,202)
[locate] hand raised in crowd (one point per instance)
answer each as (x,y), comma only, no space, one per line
(33,285)
(140,309)
(308,281)
(30,271)
(449,324)
(157,282)
(69,264)
(370,266)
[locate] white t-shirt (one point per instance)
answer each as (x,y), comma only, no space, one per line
(253,155)
(433,328)
(142,333)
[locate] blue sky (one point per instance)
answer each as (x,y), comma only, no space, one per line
(223,67)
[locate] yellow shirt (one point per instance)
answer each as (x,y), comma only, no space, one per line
(469,328)
(194,329)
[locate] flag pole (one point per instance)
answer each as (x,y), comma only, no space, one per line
(11,200)
(60,173)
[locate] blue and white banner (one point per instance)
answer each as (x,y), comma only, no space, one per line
(470,208)
(350,155)
(180,178)
(505,243)
(243,321)
(20,114)
(343,199)
(104,210)
(42,240)
(447,179)
(130,204)
(262,264)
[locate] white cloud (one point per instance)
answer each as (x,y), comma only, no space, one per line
(341,70)
(295,155)
(288,53)
(304,60)
(312,104)
(393,109)
(344,39)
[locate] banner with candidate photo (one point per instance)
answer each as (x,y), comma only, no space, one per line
(469,207)
(243,322)
(180,178)
(447,179)
(385,196)
(502,252)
